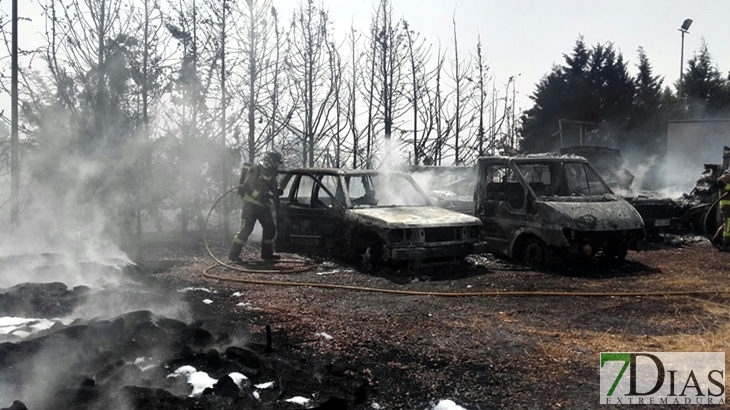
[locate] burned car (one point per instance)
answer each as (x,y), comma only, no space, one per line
(538,206)
(378,216)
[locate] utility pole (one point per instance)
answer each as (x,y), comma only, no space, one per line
(14,143)
(224,102)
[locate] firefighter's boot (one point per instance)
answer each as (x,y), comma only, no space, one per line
(235,254)
(267,252)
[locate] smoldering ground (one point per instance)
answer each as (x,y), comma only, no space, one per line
(87,327)
(63,271)
(69,235)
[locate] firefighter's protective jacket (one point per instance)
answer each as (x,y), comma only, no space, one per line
(260,186)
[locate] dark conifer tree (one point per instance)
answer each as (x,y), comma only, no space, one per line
(705,91)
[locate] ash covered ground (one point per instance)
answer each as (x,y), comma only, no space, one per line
(162,336)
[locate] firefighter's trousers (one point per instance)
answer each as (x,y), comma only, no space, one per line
(249,215)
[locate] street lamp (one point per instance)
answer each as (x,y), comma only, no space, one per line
(683,29)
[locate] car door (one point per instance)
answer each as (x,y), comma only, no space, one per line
(501,204)
(310,219)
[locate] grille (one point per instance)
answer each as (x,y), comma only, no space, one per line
(441,234)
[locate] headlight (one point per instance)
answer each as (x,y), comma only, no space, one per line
(396,235)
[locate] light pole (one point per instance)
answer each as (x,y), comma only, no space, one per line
(683,29)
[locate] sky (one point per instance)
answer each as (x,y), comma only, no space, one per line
(526,37)
(520,37)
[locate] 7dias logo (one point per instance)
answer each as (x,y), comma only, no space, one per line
(663,378)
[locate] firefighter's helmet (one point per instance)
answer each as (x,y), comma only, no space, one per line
(272,158)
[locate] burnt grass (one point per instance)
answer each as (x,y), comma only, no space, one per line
(354,349)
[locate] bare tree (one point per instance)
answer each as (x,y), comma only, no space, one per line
(149,76)
(189,112)
(222,13)
(353,38)
(391,56)
(14,140)
(443,123)
(369,87)
(418,94)
(255,41)
(460,76)
(280,110)
(308,66)
(481,89)
(338,122)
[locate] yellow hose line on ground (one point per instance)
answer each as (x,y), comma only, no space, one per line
(209,275)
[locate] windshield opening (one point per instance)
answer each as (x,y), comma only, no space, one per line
(574,179)
(582,180)
(450,183)
(383,190)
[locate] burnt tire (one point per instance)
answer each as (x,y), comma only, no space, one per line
(535,253)
(618,252)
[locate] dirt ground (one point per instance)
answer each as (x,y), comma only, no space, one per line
(412,351)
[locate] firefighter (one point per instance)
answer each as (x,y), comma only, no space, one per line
(259,187)
(724,184)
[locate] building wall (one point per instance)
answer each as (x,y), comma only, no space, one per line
(690,145)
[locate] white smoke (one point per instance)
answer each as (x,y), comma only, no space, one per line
(651,175)
(61,239)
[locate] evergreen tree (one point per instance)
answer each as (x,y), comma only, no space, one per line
(539,121)
(704,90)
(648,86)
(593,86)
(651,108)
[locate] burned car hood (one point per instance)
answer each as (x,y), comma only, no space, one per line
(595,216)
(401,217)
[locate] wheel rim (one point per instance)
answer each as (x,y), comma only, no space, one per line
(535,254)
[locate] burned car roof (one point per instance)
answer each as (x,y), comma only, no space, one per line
(442,168)
(338,171)
(534,157)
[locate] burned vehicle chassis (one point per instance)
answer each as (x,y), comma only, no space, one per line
(660,215)
(317,217)
(524,219)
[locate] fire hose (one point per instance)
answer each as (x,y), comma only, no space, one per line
(294,266)
(706,218)
(300,266)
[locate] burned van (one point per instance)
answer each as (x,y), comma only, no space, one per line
(538,206)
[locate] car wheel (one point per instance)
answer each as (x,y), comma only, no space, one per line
(535,253)
(619,252)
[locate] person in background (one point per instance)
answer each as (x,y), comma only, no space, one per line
(258,190)
(724,184)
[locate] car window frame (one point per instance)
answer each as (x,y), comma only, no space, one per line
(296,177)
